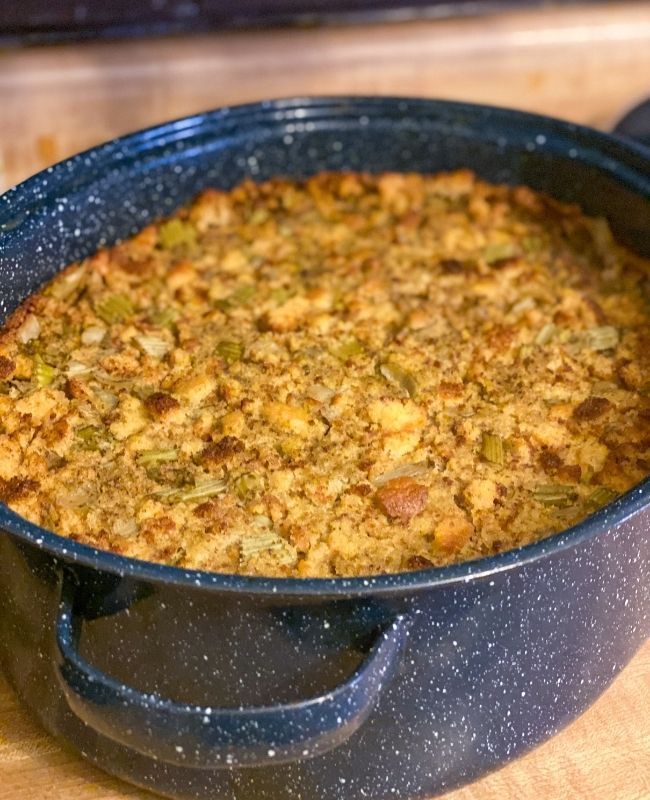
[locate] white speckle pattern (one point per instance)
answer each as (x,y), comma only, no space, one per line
(501,652)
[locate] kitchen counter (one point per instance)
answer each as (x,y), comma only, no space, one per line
(586,63)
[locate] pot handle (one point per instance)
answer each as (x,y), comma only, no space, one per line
(200,736)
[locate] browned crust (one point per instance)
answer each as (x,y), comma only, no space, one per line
(591,408)
(160,403)
(7,366)
(402,498)
(222,450)
(17,488)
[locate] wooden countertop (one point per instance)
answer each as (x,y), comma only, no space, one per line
(585,63)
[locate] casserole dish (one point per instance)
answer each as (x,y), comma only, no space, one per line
(207,685)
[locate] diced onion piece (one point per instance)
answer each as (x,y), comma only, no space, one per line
(75,368)
(126,528)
(546,334)
(330,413)
(604,337)
(403,471)
(152,345)
(79,496)
(320,393)
(527,304)
(64,285)
(169,495)
(93,335)
(107,398)
(30,329)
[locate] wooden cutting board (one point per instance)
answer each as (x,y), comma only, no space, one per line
(586,63)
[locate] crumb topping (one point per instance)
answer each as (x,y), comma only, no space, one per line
(344,376)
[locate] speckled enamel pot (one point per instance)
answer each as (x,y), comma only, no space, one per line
(198,685)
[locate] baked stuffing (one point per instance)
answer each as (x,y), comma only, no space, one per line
(344,376)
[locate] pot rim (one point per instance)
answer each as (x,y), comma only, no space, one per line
(610,149)
(601,522)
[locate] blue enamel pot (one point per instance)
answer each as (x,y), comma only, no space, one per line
(199,685)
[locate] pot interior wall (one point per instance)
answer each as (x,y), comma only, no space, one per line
(114,190)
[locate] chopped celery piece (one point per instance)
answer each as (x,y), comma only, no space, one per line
(91,436)
(258,542)
(497,252)
(555,495)
(248,484)
(43,373)
(185,495)
(156,456)
(348,349)
(259,216)
(601,496)
(393,372)
(114,309)
(239,297)
(165,317)
(492,448)
(532,244)
(242,294)
(230,351)
(280,296)
(176,233)
(201,490)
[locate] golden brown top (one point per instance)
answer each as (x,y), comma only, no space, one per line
(351,375)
